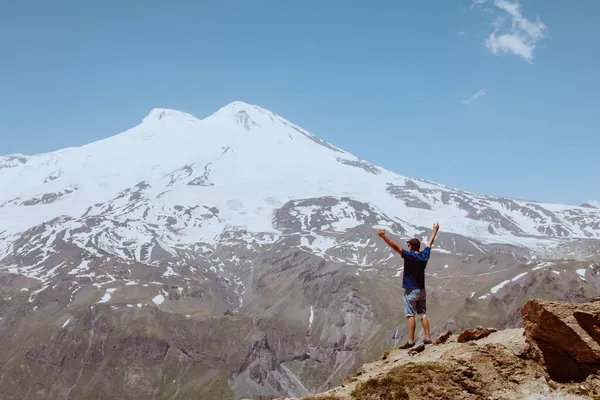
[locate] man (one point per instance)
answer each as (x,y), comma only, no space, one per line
(413,282)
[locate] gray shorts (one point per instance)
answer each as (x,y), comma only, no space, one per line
(415,302)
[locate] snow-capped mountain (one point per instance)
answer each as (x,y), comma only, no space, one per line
(243,163)
(252,228)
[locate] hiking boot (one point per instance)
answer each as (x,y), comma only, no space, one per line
(407,345)
(427,341)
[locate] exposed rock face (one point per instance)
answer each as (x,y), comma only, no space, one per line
(490,368)
(443,338)
(476,333)
(565,337)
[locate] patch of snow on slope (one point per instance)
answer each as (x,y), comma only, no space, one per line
(105,298)
(519,276)
(476,246)
(541,265)
(67,322)
(107,295)
(581,273)
(556,272)
(35,293)
(159,299)
(322,243)
(499,286)
(311,317)
(83,266)
(443,251)
(170,272)
(347,218)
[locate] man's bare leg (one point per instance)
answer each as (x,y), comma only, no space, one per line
(412,325)
(425,323)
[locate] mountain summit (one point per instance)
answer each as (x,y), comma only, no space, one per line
(158,114)
(236,254)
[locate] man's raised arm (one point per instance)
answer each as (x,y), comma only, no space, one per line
(393,245)
(436,228)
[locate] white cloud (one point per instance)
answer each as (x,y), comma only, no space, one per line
(461,33)
(520,38)
(477,2)
(474,97)
(510,42)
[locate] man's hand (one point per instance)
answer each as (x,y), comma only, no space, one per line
(436,228)
(393,245)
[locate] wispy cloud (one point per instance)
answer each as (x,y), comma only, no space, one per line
(474,97)
(520,38)
(476,3)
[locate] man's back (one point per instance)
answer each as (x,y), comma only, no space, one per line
(414,268)
(413,282)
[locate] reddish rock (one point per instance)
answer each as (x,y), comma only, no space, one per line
(564,337)
(476,333)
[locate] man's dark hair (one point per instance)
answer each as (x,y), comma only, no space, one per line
(414,243)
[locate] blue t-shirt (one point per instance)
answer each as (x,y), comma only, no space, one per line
(414,268)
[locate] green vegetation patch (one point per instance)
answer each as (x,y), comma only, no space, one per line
(417,379)
(390,387)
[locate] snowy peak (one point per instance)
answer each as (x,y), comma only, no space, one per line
(236,106)
(251,117)
(247,116)
(159,114)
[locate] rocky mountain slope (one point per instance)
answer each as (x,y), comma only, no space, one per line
(556,356)
(234,256)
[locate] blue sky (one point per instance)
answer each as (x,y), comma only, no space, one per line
(486,95)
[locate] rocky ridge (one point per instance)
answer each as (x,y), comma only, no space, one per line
(554,356)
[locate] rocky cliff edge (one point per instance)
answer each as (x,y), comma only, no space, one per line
(555,356)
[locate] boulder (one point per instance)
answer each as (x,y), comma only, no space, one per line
(564,337)
(476,333)
(416,350)
(443,338)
